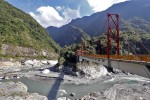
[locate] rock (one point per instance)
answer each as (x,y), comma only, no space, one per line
(91,96)
(94,94)
(44,62)
(77,73)
(28,63)
(1,77)
(116,71)
(36,63)
(86,97)
(72,94)
(18,64)
(108,74)
(45,71)
(62,92)
(36,96)
(6,64)
(8,88)
(6,77)
(52,62)
(44,53)
(24,96)
(17,91)
(91,71)
(62,98)
(18,77)
(128,92)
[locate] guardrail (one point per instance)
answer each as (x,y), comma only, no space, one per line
(141,58)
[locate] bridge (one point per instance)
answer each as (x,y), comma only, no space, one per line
(135,64)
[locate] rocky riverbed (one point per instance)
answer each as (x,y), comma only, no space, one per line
(13,69)
(84,73)
(140,91)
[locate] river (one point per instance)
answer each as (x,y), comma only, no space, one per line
(45,87)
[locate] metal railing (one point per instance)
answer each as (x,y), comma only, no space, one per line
(140,58)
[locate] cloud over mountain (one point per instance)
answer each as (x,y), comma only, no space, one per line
(49,16)
(60,12)
(100,5)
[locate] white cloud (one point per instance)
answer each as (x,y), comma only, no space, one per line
(48,16)
(59,8)
(70,14)
(100,5)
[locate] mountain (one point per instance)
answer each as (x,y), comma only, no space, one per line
(72,35)
(134,13)
(21,35)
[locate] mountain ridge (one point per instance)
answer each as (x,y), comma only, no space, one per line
(94,24)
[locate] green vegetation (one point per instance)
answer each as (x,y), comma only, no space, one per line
(67,54)
(98,45)
(137,31)
(20,29)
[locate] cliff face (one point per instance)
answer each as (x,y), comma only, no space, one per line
(21,35)
(17,51)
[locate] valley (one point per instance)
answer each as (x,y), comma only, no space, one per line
(77,57)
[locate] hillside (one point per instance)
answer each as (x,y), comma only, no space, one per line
(73,35)
(21,35)
(134,13)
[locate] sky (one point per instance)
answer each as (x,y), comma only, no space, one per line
(60,12)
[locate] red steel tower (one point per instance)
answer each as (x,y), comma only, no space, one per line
(115,19)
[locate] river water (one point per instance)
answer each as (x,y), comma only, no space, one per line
(49,89)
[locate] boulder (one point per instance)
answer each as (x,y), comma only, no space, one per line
(17,91)
(72,94)
(44,53)
(8,88)
(63,98)
(62,92)
(35,96)
(52,62)
(92,71)
(44,62)
(45,71)
(28,63)
(6,77)
(36,63)
(24,96)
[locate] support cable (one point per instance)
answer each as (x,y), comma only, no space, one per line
(132,33)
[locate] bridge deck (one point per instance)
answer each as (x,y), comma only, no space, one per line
(137,58)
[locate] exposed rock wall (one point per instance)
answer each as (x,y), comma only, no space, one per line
(17,50)
(92,70)
(24,51)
